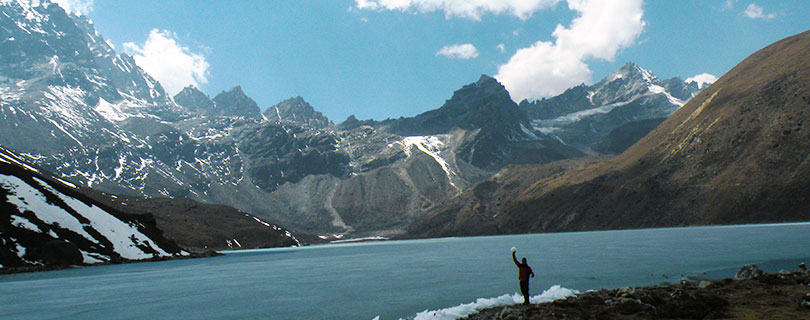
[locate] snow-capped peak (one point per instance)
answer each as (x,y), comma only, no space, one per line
(631,71)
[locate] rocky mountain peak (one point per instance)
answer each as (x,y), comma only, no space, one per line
(632,72)
(235,102)
(631,95)
(296,110)
(194,100)
(69,82)
(631,82)
(485,80)
(484,103)
(485,85)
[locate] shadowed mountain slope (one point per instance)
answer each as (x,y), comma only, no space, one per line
(201,226)
(738,152)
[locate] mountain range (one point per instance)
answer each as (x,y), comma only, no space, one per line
(73,106)
(738,152)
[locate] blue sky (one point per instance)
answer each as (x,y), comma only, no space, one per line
(380,58)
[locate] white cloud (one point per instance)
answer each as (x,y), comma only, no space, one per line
(79,7)
(459,51)
(730,4)
(702,79)
(600,30)
(471,9)
(174,65)
(501,48)
(755,12)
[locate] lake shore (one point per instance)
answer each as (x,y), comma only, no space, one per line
(41,268)
(751,294)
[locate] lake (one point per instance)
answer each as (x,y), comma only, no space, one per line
(394,279)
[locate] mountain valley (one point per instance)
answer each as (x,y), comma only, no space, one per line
(219,173)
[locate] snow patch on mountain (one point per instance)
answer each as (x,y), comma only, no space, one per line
(125,237)
(10,93)
(550,126)
(432,146)
(24,223)
(656,89)
(110,111)
(276,228)
(11,158)
(25,197)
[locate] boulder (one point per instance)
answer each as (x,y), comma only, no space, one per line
(749,271)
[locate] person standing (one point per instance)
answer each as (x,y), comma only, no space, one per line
(524,271)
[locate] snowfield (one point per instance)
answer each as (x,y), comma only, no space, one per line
(432,146)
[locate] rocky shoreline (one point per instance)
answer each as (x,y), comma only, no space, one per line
(751,294)
(41,268)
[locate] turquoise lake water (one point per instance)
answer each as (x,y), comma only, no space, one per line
(394,279)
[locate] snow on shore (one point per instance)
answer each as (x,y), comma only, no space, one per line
(452,313)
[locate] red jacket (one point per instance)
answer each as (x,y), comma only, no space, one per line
(523,270)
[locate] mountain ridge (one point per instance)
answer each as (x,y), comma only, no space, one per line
(296,169)
(720,159)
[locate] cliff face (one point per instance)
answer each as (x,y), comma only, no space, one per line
(738,152)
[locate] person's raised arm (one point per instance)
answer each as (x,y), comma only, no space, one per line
(515,259)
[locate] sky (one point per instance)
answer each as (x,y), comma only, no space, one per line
(389,58)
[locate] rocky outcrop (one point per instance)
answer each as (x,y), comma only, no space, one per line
(749,271)
(61,253)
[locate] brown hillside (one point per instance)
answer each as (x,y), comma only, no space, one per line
(739,152)
(197,226)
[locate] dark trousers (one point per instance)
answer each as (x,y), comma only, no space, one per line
(524,289)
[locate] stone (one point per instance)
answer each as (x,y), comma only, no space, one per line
(802,266)
(626,291)
(749,271)
(703,284)
(630,306)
